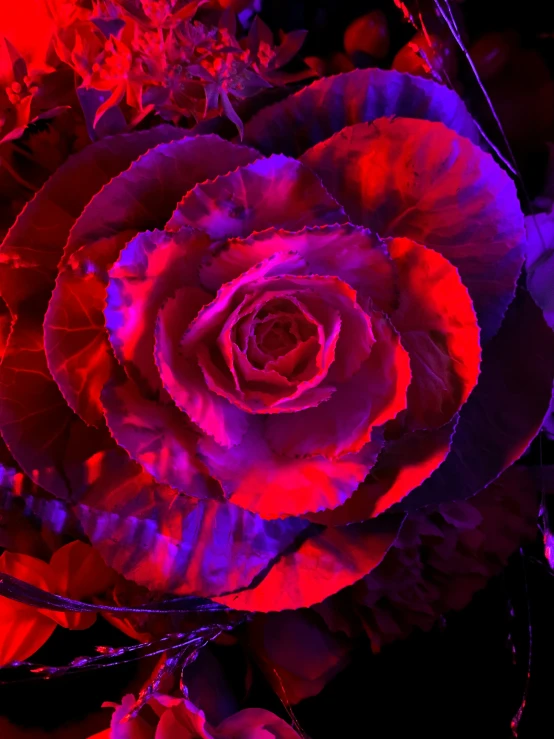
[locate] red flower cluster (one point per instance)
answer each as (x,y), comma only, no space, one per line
(142,57)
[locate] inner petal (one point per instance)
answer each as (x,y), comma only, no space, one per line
(276,337)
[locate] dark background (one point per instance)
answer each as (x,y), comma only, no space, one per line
(469,675)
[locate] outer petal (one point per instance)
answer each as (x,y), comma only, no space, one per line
(276,191)
(32,249)
(353,254)
(255,478)
(134,201)
(326,562)
(52,445)
(377,393)
(328,105)
(401,467)
(150,268)
(505,411)
(402,177)
(177,168)
(174,544)
(80,572)
(438,328)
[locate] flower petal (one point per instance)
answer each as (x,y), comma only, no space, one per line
(351,253)
(132,202)
(370,398)
(33,247)
(23,629)
(318,111)
(401,467)
(402,177)
(326,562)
(345,341)
(150,268)
(159,437)
(277,191)
(183,379)
(259,480)
(79,571)
(438,329)
(51,444)
(174,544)
(500,419)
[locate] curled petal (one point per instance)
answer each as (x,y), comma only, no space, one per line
(351,253)
(49,441)
(402,177)
(33,247)
(150,268)
(76,351)
(183,378)
(277,191)
(371,397)
(345,341)
(52,445)
(137,199)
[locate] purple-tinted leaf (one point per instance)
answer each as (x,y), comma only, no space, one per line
(326,562)
(505,411)
(328,105)
(174,544)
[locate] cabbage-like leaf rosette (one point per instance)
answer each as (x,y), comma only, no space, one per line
(240,364)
